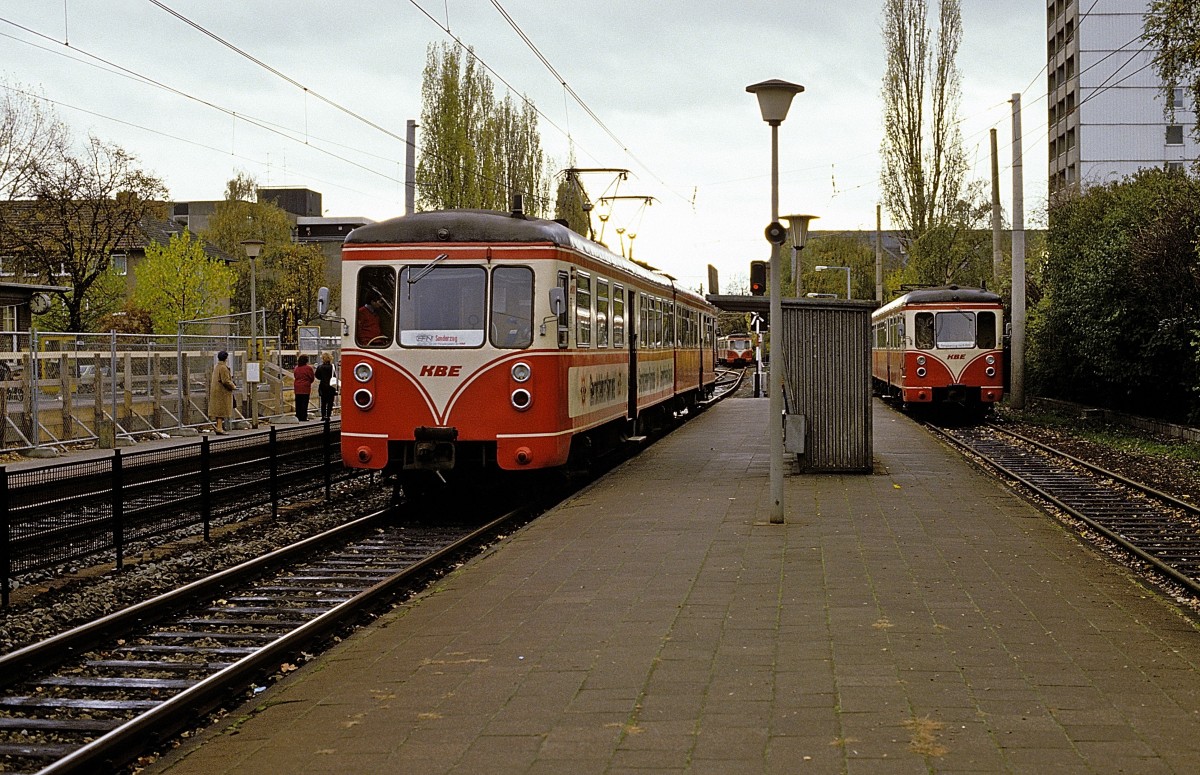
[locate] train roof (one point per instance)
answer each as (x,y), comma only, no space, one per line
(942,294)
(467,225)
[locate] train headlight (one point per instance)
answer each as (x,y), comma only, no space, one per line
(920,360)
(990,359)
(990,371)
(521,372)
(363,372)
(364,399)
(521,399)
(921,371)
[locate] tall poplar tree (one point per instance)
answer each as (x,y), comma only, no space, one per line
(475,151)
(1173,31)
(924,164)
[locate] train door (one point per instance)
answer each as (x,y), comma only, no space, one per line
(633,333)
(564,323)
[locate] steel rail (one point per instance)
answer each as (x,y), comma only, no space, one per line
(1127,544)
(118,746)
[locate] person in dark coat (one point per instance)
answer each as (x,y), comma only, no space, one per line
(325,388)
(303,378)
(220,392)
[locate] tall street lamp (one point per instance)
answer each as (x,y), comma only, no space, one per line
(253,248)
(774,99)
(846,269)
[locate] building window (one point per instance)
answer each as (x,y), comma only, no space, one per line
(6,266)
(1177,99)
(120,264)
(1175,166)
(1175,134)
(8,318)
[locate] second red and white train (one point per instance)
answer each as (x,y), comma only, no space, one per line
(940,345)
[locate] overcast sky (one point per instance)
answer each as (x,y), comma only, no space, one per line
(666,77)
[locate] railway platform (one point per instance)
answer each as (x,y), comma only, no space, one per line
(918,619)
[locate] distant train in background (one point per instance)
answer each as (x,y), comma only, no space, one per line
(735,350)
(940,345)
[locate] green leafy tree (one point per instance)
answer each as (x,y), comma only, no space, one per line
(82,206)
(475,152)
(569,200)
(1172,31)
(294,272)
(835,249)
(239,217)
(179,281)
(1120,306)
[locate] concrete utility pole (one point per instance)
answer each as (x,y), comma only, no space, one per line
(1017,389)
(410,168)
(997,220)
(879,253)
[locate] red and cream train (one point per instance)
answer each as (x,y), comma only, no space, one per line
(940,345)
(735,350)
(490,339)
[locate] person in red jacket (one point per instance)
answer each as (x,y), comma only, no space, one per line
(303,377)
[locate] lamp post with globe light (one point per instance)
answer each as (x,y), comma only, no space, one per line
(774,99)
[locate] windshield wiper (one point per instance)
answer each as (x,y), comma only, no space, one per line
(424,271)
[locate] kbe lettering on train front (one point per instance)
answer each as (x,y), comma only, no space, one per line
(430,370)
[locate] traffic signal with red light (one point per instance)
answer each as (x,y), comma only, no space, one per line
(758,278)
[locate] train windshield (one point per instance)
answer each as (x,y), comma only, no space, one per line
(442,306)
(955,330)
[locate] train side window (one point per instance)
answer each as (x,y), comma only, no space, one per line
(643,317)
(512,307)
(618,315)
(659,323)
(375,302)
(583,310)
(985,330)
(601,312)
(924,326)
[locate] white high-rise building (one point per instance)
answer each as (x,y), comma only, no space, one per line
(1108,116)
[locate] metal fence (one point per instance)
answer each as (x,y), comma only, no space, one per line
(63,512)
(62,389)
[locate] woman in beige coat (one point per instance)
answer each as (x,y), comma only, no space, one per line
(220,392)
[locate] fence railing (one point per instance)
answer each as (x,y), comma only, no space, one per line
(69,388)
(61,513)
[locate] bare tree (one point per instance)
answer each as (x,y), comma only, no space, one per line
(923,159)
(29,133)
(82,206)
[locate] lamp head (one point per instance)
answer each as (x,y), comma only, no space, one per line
(253,247)
(798,228)
(774,99)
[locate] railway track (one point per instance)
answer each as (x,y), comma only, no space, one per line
(1152,526)
(92,699)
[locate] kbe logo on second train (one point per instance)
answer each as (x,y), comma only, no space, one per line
(429,370)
